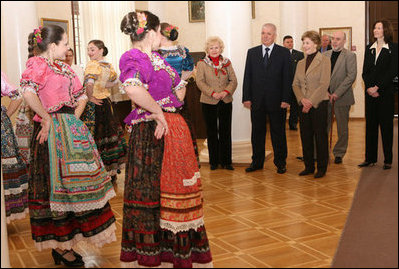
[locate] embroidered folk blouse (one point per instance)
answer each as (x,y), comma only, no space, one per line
(178,57)
(99,73)
(154,74)
(55,84)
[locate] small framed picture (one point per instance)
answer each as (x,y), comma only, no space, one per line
(63,23)
(346,30)
(196,11)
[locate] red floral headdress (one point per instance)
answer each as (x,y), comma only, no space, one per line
(37,35)
(142,22)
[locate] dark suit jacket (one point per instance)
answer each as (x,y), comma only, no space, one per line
(328,48)
(382,73)
(268,86)
(296,56)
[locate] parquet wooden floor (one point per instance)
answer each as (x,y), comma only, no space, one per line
(259,219)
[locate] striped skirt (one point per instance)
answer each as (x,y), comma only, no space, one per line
(163,214)
(108,134)
(54,229)
(15,173)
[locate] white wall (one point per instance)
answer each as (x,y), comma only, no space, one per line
(60,10)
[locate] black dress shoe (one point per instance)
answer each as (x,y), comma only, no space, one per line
(228,167)
(281,169)
(253,168)
(58,258)
(306,172)
(214,167)
(366,163)
(319,174)
(338,160)
(387,166)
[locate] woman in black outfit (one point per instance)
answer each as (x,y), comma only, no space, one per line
(379,69)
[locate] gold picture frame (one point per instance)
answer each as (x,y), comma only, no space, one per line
(63,23)
(196,11)
(253,9)
(347,30)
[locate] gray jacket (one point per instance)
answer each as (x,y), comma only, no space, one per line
(343,76)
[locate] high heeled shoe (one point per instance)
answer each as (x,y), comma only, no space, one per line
(58,258)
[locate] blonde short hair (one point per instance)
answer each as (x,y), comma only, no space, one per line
(211,40)
(314,36)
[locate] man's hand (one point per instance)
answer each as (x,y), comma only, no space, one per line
(247,104)
(284,105)
(372,90)
(332,97)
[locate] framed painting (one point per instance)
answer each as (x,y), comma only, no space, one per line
(346,30)
(63,23)
(196,11)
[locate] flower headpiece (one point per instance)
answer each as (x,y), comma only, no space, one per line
(169,29)
(37,35)
(142,23)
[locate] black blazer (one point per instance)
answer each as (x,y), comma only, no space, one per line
(296,56)
(383,72)
(268,86)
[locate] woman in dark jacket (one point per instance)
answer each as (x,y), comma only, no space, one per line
(379,69)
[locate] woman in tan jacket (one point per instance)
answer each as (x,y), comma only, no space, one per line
(217,81)
(310,85)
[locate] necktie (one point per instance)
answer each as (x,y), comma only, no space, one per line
(266,57)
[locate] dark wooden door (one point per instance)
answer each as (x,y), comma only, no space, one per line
(377,10)
(193,105)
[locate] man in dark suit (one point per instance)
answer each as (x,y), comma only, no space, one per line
(267,91)
(325,43)
(296,56)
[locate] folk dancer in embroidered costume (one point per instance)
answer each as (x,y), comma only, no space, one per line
(15,173)
(98,115)
(180,59)
(69,188)
(163,205)
(217,82)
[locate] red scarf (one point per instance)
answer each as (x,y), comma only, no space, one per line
(215,60)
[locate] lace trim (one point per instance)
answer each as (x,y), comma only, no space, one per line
(193,180)
(28,85)
(105,237)
(16,190)
(84,206)
(176,227)
(9,161)
(55,108)
(17,216)
(180,86)
(173,51)
(135,264)
(132,82)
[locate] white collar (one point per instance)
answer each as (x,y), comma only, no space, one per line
(270,47)
(174,47)
(374,46)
